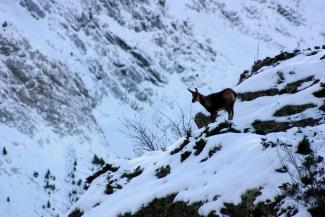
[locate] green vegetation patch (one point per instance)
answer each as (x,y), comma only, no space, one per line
(110,188)
(35,174)
(212,151)
(293,109)
(163,207)
(247,207)
(305,122)
(308,187)
(268,61)
(322,107)
(199,146)
(312,53)
(110,167)
(266,144)
(185,155)
(271,126)
(322,58)
(243,76)
(320,93)
(47,179)
(98,160)
(223,127)
(102,170)
(249,96)
(162,171)
(289,88)
(131,175)
(180,148)
(304,146)
(4,151)
(76,213)
(293,86)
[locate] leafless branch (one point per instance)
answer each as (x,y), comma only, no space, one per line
(144,138)
(182,127)
(298,172)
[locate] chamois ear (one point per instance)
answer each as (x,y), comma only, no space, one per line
(196,90)
(190,90)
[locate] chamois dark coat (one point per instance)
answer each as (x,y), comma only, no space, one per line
(223,100)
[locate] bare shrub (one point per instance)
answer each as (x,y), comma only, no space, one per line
(144,139)
(307,173)
(147,139)
(181,127)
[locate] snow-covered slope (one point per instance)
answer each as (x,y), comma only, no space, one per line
(219,163)
(71,70)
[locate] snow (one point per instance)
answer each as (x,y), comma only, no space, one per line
(34,144)
(241,164)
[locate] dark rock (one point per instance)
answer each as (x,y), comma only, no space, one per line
(202,120)
(33,8)
(17,68)
(142,61)
(78,42)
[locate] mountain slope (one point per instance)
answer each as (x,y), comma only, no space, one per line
(71,70)
(215,165)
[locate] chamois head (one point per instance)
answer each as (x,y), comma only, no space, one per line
(195,95)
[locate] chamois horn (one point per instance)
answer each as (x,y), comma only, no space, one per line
(196,91)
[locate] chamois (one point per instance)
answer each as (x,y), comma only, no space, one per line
(223,100)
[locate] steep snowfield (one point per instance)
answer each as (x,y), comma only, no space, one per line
(71,70)
(240,161)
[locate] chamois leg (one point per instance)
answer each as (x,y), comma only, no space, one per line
(213,116)
(230,111)
(229,115)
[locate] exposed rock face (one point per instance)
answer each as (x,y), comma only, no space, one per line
(38,84)
(55,87)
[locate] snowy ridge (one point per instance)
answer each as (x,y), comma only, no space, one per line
(70,70)
(230,163)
